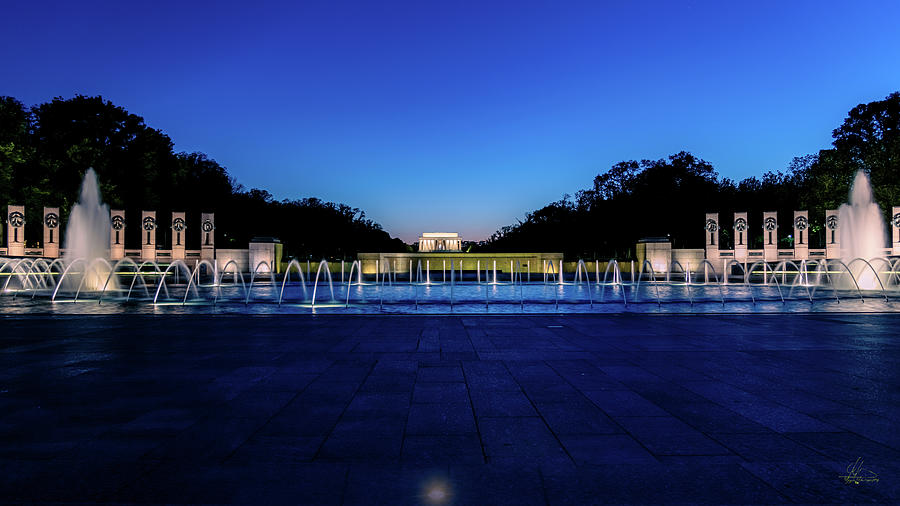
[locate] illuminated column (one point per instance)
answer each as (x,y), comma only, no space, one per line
(208,237)
(15,231)
(712,235)
(178,226)
(148,235)
(801,235)
(832,234)
(895,230)
(51,232)
(740,237)
(116,234)
(770,236)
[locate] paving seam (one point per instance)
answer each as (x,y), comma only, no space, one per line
(536,410)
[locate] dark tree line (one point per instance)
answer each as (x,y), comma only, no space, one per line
(669,197)
(45,150)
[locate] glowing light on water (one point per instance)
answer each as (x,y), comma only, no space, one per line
(863,233)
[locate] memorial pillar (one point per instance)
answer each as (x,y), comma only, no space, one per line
(148,235)
(15,231)
(832,234)
(712,236)
(895,230)
(178,232)
(208,237)
(801,235)
(116,234)
(51,232)
(770,236)
(740,237)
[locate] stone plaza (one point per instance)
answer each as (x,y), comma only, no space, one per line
(564,409)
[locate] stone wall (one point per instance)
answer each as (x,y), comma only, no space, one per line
(400,262)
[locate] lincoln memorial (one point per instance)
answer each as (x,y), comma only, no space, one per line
(440,241)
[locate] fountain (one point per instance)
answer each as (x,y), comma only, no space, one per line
(863,233)
(87,236)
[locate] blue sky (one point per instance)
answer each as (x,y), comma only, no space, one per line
(461,116)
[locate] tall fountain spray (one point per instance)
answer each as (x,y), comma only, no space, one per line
(87,233)
(863,234)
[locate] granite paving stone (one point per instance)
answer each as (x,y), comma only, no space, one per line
(442,449)
(493,403)
(517,436)
(606,449)
(623,403)
(441,393)
(440,419)
(666,435)
(438,374)
(576,417)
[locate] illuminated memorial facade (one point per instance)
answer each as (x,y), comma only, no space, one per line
(440,241)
